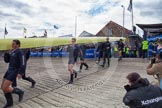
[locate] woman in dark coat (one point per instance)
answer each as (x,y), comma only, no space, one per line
(141,94)
(16,69)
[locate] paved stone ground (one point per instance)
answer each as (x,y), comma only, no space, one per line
(95,88)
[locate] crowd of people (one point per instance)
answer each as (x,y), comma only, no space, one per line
(140,93)
(138,49)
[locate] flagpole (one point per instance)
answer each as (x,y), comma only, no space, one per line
(54,31)
(75,26)
(5,31)
(132,17)
(123,32)
(4,35)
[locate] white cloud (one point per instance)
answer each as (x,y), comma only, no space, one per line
(45,13)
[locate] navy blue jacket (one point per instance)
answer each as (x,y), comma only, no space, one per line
(83,48)
(100,47)
(107,47)
(120,45)
(75,51)
(16,59)
(143,95)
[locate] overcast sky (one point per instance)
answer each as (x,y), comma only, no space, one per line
(38,15)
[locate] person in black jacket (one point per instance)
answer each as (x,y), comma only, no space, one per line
(83,48)
(74,51)
(100,51)
(106,52)
(120,49)
(141,94)
(27,56)
(16,68)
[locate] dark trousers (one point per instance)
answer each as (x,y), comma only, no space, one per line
(144,53)
(14,84)
(100,55)
(106,55)
(135,54)
(83,64)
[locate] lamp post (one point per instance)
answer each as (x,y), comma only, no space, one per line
(75,26)
(123,32)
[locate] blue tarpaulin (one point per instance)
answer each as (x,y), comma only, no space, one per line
(153,38)
(90,53)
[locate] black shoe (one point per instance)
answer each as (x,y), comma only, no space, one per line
(102,66)
(70,82)
(9,100)
(75,73)
(33,84)
(108,64)
(71,79)
(86,68)
(32,81)
(119,59)
(19,92)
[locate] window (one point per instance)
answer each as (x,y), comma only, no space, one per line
(110,32)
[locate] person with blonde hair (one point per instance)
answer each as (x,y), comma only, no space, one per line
(74,52)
